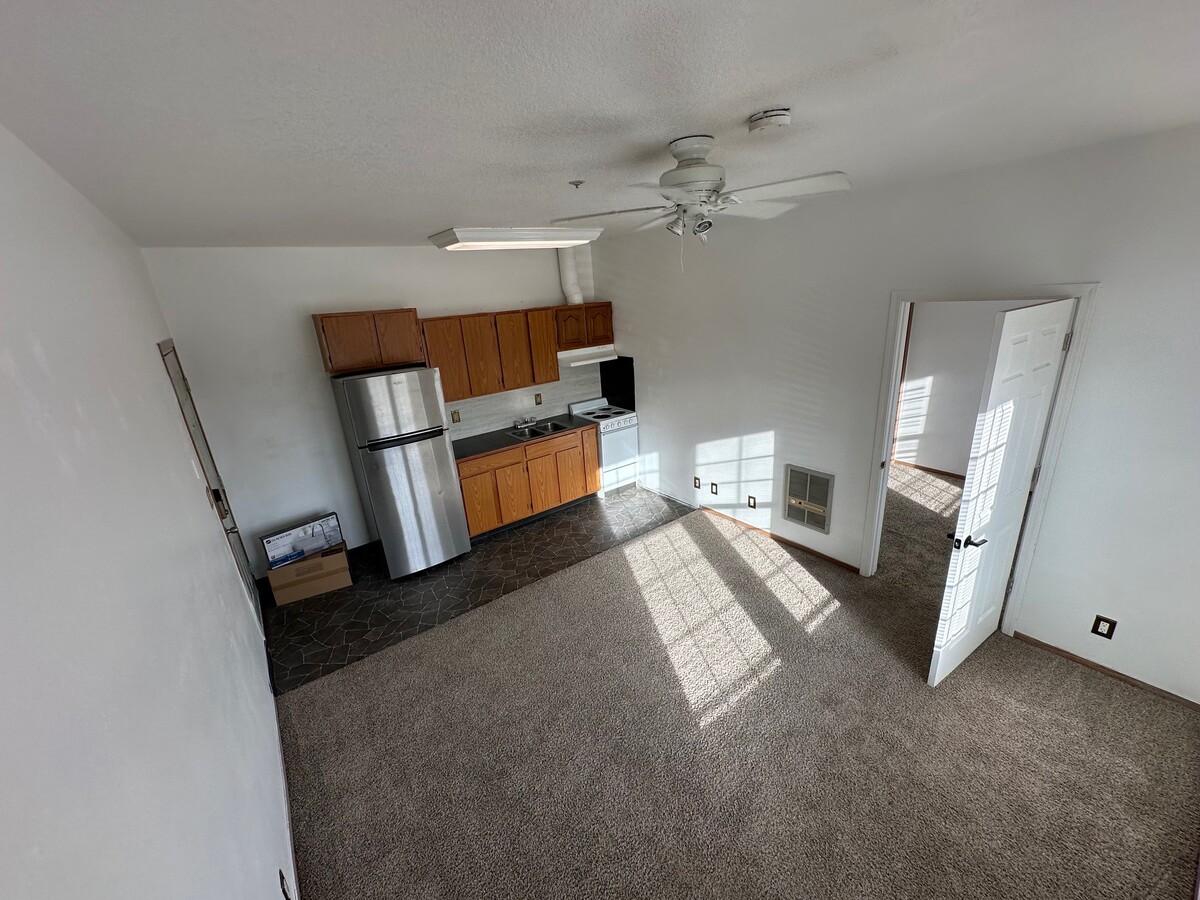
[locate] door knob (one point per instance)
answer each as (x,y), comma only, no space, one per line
(972,543)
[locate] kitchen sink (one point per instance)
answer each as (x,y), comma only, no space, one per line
(526,434)
(530,432)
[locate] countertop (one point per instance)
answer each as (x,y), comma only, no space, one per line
(491,441)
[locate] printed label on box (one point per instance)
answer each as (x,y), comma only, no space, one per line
(303,540)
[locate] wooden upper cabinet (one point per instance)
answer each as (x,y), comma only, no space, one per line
(516,359)
(543,344)
(599,323)
(371,339)
(445,350)
(572,328)
(483,353)
(348,341)
(399,335)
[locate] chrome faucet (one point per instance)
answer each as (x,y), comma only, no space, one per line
(524,421)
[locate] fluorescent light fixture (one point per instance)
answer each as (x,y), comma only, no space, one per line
(513,238)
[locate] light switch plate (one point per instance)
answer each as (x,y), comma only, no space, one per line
(455,416)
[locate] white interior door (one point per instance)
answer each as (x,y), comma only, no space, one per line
(1027,353)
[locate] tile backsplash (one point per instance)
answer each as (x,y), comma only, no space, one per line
(496,411)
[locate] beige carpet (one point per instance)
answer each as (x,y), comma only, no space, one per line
(700,713)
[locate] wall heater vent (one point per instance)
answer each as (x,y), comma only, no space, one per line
(809,497)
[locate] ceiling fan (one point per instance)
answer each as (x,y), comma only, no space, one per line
(695,191)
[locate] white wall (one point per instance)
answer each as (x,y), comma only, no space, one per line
(948,349)
(768,349)
(137,729)
(241,320)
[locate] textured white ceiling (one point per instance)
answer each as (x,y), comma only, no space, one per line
(316,122)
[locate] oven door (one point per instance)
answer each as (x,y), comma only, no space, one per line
(618,458)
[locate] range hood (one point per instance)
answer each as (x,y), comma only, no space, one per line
(587,355)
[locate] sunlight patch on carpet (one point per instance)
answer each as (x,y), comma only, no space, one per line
(718,654)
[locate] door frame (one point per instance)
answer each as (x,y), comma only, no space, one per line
(889,397)
(243,568)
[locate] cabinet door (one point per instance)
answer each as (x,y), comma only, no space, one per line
(399,337)
(591,460)
(445,351)
(571,481)
(572,330)
(483,354)
(543,483)
(481,503)
(543,344)
(512,488)
(348,341)
(516,360)
(599,323)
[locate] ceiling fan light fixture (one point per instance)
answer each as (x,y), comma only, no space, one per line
(677,225)
(513,238)
(702,225)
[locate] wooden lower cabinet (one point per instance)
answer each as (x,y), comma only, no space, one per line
(543,483)
(512,484)
(481,502)
(571,483)
(512,489)
(591,459)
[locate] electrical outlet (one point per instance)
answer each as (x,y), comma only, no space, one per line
(712,488)
(537,399)
(1104,627)
(455,416)
(751,502)
(696,481)
(283,886)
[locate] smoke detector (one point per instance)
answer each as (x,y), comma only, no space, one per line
(770,119)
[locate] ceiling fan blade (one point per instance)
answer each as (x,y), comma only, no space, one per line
(826,183)
(657,220)
(759,209)
(615,212)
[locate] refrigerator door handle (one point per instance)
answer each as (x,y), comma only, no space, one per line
(412,438)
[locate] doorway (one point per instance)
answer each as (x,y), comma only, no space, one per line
(976,394)
(215,487)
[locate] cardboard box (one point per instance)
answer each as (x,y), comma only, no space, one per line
(315,574)
(303,540)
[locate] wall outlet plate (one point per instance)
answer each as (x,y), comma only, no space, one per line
(696,481)
(1104,627)
(455,416)
(712,488)
(537,399)
(751,502)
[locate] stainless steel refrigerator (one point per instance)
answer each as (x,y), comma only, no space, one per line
(395,427)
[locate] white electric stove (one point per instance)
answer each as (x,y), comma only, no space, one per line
(618,441)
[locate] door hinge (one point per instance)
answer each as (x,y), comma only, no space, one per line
(1067,341)
(1037,473)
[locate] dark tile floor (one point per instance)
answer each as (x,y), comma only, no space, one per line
(314,637)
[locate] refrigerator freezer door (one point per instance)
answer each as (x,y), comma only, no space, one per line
(388,404)
(417,504)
